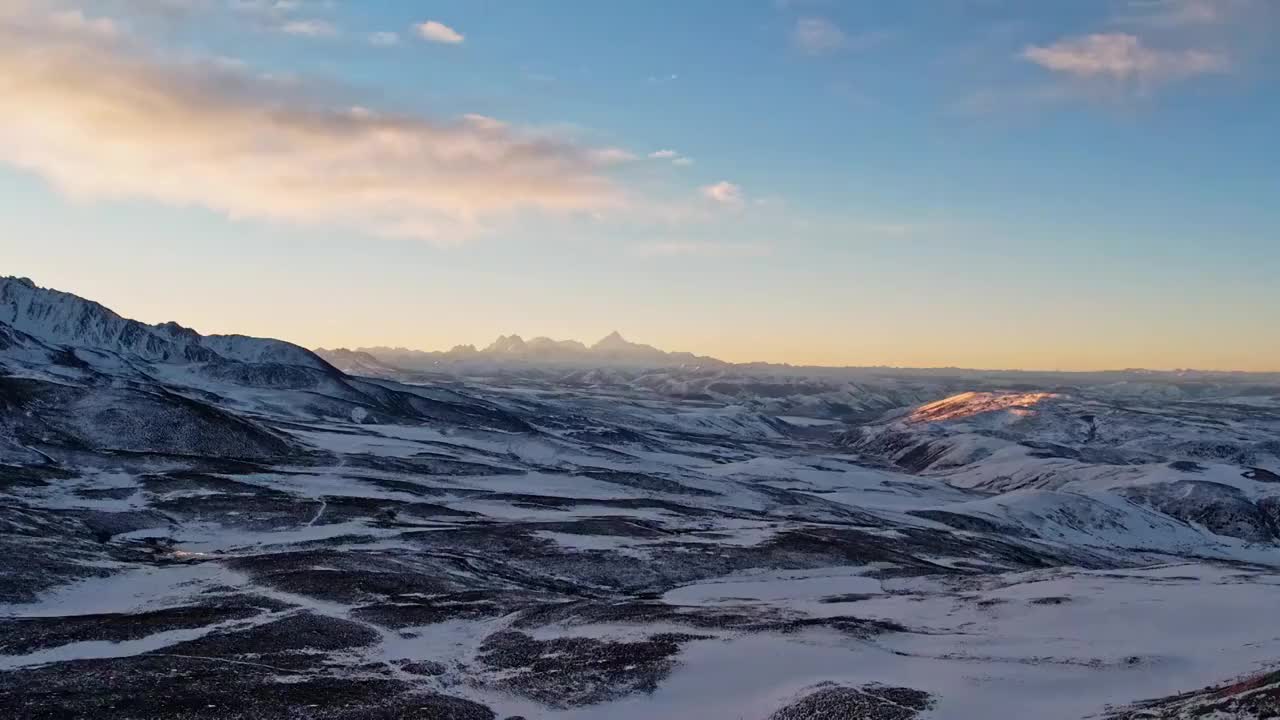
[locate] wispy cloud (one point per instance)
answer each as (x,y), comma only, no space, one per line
(303,18)
(818,35)
(1123,57)
(674,156)
(310,28)
(613,156)
(75,21)
(438,32)
(384,39)
(723,192)
(1180,13)
(102,117)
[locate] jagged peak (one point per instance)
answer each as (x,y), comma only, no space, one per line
(613,349)
(506,344)
(613,340)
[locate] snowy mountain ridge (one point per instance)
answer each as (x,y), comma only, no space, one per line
(61,318)
(613,350)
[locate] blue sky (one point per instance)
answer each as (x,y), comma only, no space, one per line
(986,183)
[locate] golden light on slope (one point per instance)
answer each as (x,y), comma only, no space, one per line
(969,404)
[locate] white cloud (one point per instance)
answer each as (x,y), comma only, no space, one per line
(1120,56)
(384,39)
(674,156)
(309,28)
(275,7)
(723,192)
(439,32)
(613,156)
(817,35)
(100,117)
(484,122)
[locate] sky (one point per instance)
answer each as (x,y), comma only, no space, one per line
(1040,184)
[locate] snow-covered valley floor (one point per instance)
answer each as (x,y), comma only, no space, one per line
(408,571)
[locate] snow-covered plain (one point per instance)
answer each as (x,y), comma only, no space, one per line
(209,529)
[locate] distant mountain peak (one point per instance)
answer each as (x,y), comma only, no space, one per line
(611,341)
(615,345)
(612,349)
(506,344)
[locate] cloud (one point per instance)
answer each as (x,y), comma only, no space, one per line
(723,192)
(1235,18)
(103,118)
(440,33)
(613,156)
(384,39)
(675,157)
(261,7)
(303,18)
(1180,13)
(1123,57)
(75,21)
(309,28)
(817,35)
(484,122)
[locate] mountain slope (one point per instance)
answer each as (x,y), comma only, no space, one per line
(65,319)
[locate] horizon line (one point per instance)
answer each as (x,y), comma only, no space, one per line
(369,349)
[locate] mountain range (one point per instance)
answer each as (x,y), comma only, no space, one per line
(613,350)
(222,527)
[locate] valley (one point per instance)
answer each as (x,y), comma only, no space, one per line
(228,527)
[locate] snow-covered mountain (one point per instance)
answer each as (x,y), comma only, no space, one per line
(1210,464)
(355,362)
(64,319)
(217,528)
(86,377)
